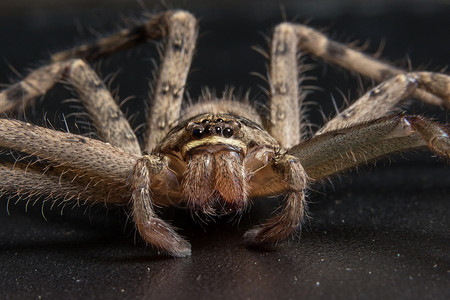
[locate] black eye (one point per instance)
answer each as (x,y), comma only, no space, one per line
(227,132)
(219,120)
(207,130)
(218,130)
(197,133)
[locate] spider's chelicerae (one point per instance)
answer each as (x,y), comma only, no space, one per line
(215,155)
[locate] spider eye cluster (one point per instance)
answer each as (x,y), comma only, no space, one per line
(208,127)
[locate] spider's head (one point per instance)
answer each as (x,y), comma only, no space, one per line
(209,132)
(212,133)
(214,157)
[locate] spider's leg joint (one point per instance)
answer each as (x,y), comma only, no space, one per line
(152,229)
(289,220)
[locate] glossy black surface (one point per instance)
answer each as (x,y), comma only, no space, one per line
(381,234)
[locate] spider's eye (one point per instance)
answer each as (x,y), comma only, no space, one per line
(197,133)
(228,132)
(219,120)
(207,130)
(218,130)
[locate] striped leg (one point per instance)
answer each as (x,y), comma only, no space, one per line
(285,101)
(338,150)
(111,124)
(387,97)
(319,45)
(168,89)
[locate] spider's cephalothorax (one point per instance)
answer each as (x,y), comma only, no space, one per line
(217,157)
(221,155)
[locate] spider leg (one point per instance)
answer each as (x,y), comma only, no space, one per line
(388,96)
(98,159)
(285,101)
(290,218)
(152,28)
(319,45)
(335,151)
(111,124)
(169,86)
(151,228)
(76,167)
(34,181)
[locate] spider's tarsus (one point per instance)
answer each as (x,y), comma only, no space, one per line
(263,238)
(250,236)
(161,235)
(182,251)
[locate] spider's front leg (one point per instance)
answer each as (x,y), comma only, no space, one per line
(289,220)
(152,229)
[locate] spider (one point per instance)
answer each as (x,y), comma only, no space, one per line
(216,155)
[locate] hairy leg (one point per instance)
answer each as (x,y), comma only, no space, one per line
(111,124)
(32,181)
(152,229)
(285,101)
(319,45)
(168,89)
(335,151)
(387,97)
(290,218)
(70,151)
(152,29)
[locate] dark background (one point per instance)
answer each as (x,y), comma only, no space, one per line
(377,234)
